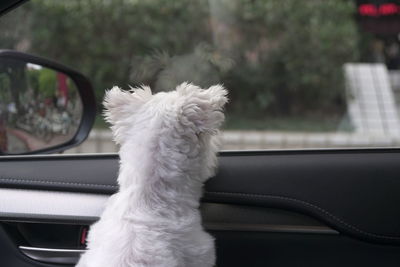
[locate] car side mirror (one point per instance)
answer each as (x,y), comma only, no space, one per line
(45,107)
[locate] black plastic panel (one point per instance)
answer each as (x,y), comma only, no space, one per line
(285,250)
(10,256)
(238,249)
(46,235)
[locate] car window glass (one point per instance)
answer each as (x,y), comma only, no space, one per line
(300,74)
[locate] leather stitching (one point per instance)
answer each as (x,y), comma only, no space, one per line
(17,180)
(14,180)
(310,205)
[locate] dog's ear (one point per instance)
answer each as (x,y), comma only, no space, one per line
(120,105)
(203,108)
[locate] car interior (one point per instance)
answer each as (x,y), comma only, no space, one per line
(298,207)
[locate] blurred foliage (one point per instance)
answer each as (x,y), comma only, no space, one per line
(276,57)
(47,81)
(43,82)
(297,49)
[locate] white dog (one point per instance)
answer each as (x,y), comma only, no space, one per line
(167,151)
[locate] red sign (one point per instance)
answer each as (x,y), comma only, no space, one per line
(371,10)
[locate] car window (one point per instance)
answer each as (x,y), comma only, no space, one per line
(300,74)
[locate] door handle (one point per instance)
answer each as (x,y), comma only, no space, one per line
(52,255)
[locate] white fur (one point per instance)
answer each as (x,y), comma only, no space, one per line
(167,151)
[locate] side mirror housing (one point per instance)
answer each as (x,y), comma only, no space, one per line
(45,107)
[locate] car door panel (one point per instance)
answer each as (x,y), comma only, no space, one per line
(265,208)
(355,192)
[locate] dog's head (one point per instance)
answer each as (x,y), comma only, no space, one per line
(179,122)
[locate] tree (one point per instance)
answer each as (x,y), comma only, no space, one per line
(275,56)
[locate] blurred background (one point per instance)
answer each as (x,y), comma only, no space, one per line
(300,74)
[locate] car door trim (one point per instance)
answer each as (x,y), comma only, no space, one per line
(84,208)
(26,203)
(52,255)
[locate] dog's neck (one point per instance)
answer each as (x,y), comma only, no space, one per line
(161,179)
(166,169)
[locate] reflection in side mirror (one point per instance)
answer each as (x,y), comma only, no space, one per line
(40,107)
